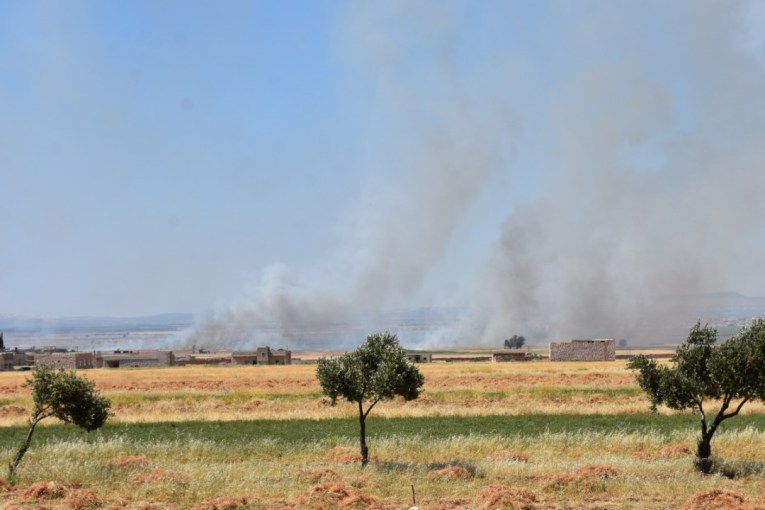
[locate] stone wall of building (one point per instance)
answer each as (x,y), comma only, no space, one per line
(583,350)
(66,360)
(136,359)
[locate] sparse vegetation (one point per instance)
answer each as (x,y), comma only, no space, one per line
(534,434)
(61,394)
(378,370)
(515,342)
(704,374)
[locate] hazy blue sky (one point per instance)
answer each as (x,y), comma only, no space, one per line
(175,156)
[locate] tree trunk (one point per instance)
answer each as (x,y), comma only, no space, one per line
(363,438)
(704,448)
(24,447)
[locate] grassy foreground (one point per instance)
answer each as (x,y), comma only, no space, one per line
(482,436)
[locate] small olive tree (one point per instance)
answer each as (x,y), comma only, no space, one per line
(705,375)
(377,370)
(62,394)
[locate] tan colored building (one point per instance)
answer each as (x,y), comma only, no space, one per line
(511,355)
(136,359)
(66,360)
(420,357)
(7,362)
(265,356)
(598,349)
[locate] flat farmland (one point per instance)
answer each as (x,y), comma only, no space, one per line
(482,435)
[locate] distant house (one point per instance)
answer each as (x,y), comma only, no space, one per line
(420,357)
(598,349)
(265,356)
(66,360)
(244,358)
(6,361)
(123,359)
(511,355)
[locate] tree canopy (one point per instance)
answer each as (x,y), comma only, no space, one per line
(704,375)
(515,342)
(378,370)
(64,395)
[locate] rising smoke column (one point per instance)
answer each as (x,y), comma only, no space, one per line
(660,167)
(441,141)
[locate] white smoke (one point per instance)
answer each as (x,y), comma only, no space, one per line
(442,142)
(652,132)
(652,198)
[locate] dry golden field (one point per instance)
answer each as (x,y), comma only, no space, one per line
(575,468)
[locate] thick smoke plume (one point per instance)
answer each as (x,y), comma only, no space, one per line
(442,141)
(653,134)
(660,168)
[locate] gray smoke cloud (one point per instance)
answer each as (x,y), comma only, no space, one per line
(653,136)
(650,202)
(443,142)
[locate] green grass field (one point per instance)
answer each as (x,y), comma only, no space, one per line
(519,457)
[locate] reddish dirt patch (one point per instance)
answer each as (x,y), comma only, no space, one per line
(499,496)
(223,503)
(345,455)
(445,504)
(717,499)
(131,461)
(82,500)
(5,486)
(334,495)
(452,472)
(319,475)
(590,477)
(6,411)
(596,472)
(44,491)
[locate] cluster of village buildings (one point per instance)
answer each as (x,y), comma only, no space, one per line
(574,350)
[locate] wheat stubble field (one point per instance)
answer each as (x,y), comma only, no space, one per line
(482,435)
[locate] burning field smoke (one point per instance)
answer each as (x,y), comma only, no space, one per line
(655,152)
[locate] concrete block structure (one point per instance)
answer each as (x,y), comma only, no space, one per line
(511,355)
(599,349)
(122,359)
(265,356)
(66,360)
(420,357)
(6,361)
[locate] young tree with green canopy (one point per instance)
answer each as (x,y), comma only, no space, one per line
(62,394)
(378,370)
(704,375)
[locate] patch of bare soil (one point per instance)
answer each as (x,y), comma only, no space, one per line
(591,478)
(224,503)
(319,475)
(499,496)
(11,410)
(446,504)
(42,491)
(451,472)
(718,499)
(83,500)
(335,495)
